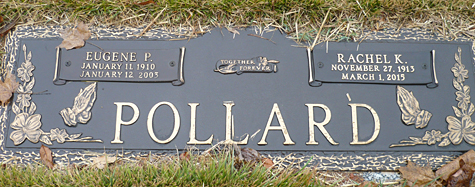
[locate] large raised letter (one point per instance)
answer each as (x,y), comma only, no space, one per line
(312,124)
(354,122)
(118,119)
(193,139)
(230,124)
(176,126)
(281,127)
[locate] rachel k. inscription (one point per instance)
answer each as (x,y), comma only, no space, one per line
(348,65)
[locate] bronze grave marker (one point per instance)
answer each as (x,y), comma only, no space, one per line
(346,105)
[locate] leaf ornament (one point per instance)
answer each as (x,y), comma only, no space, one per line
(418,176)
(7,87)
(74,38)
(46,157)
(411,112)
(80,112)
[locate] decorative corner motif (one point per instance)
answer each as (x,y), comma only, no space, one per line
(461,127)
(27,124)
(82,105)
(411,112)
(254,65)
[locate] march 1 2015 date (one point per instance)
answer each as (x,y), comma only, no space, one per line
(394,77)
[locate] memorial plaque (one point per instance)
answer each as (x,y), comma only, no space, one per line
(344,105)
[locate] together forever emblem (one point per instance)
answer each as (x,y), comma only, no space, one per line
(254,65)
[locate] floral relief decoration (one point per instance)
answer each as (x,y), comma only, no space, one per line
(460,127)
(27,124)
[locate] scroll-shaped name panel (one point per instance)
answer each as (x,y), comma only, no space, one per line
(343,63)
(92,63)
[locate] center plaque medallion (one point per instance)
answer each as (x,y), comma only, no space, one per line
(344,105)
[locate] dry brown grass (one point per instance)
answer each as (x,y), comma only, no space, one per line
(347,19)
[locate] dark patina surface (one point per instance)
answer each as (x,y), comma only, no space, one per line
(375,104)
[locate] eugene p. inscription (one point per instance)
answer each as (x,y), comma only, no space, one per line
(138,65)
(370,64)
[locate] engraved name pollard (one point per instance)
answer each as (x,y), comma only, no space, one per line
(229,133)
(136,65)
(373,66)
